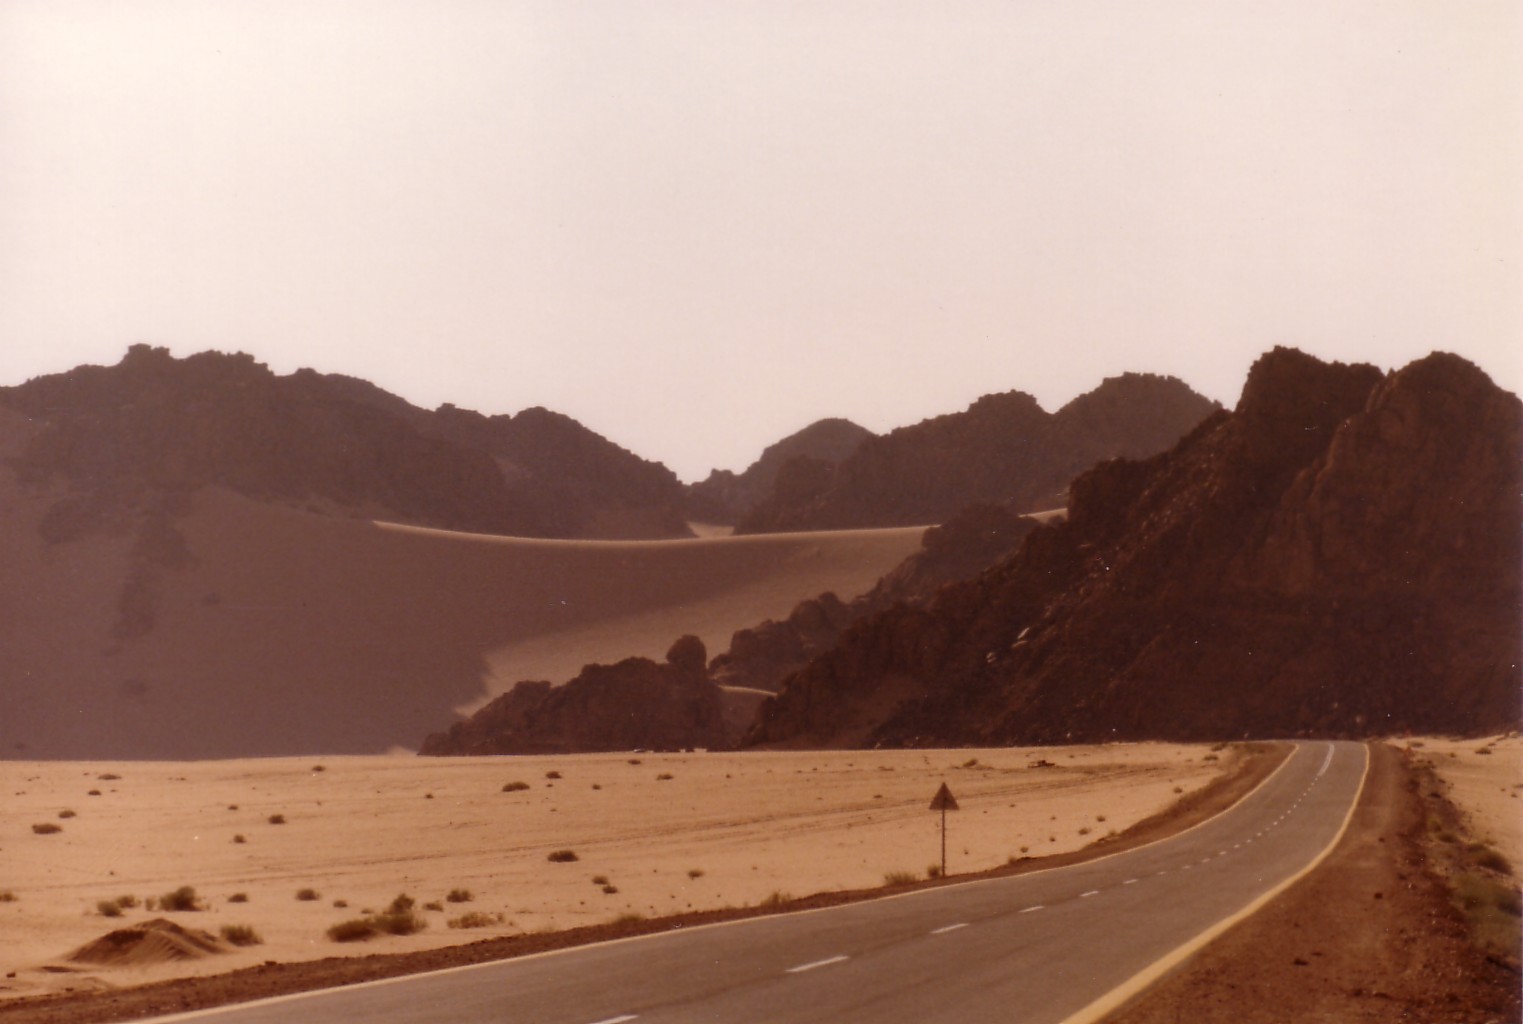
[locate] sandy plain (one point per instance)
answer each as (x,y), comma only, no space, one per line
(1486,778)
(668,833)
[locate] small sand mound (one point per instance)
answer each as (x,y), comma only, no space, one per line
(152,942)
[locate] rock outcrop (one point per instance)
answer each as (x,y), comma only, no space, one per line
(1339,556)
(726,497)
(1003,450)
(131,437)
(635,704)
(690,703)
(762,656)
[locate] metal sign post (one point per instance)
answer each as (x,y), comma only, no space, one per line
(944,801)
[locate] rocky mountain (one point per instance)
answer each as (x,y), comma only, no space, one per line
(685,703)
(136,435)
(1338,556)
(1004,449)
(635,704)
(727,497)
(762,656)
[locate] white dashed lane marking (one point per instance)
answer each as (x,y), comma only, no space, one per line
(1030,909)
(801,968)
(949,928)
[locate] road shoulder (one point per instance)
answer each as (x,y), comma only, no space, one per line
(1370,935)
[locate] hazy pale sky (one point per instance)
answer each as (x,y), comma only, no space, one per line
(697,227)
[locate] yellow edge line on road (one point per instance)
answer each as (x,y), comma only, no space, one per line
(1116,997)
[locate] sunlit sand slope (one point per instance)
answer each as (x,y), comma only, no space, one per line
(269,630)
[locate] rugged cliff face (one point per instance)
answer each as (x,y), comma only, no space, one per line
(727,497)
(1004,450)
(136,435)
(1338,556)
(685,703)
(635,704)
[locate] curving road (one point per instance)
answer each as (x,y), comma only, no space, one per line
(1063,945)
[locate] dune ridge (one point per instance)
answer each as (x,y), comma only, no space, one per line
(235,627)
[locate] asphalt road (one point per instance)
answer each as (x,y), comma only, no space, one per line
(1053,946)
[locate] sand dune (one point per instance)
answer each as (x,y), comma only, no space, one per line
(665,832)
(278,631)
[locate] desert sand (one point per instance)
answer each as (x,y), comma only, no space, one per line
(1486,777)
(666,833)
(262,630)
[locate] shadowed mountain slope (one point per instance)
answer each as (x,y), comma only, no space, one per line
(1004,449)
(727,497)
(132,435)
(1338,556)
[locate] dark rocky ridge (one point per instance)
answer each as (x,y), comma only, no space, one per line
(727,497)
(636,704)
(129,437)
(1004,449)
(684,703)
(1340,556)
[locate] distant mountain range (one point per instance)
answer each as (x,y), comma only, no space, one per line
(153,427)
(192,568)
(1004,449)
(1339,556)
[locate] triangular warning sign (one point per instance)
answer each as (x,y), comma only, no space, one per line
(944,800)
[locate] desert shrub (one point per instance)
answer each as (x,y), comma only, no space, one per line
(562,856)
(93,792)
(109,908)
(47,828)
(319,768)
(664,777)
(631,917)
(635,760)
(1084,830)
(238,897)
(307,895)
(183,898)
(352,930)
(695,873)
(460,896)
(599,879)
(514,787)
(277,819)
(400,923)
(7,897)
(126,902)
(777,898)
(610,890)
(402,904)
(241,935)
(239,838)
(899,878)
(108,777)
(66,814)
(552,775)
(933,871)
(340,904)
(474,919)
